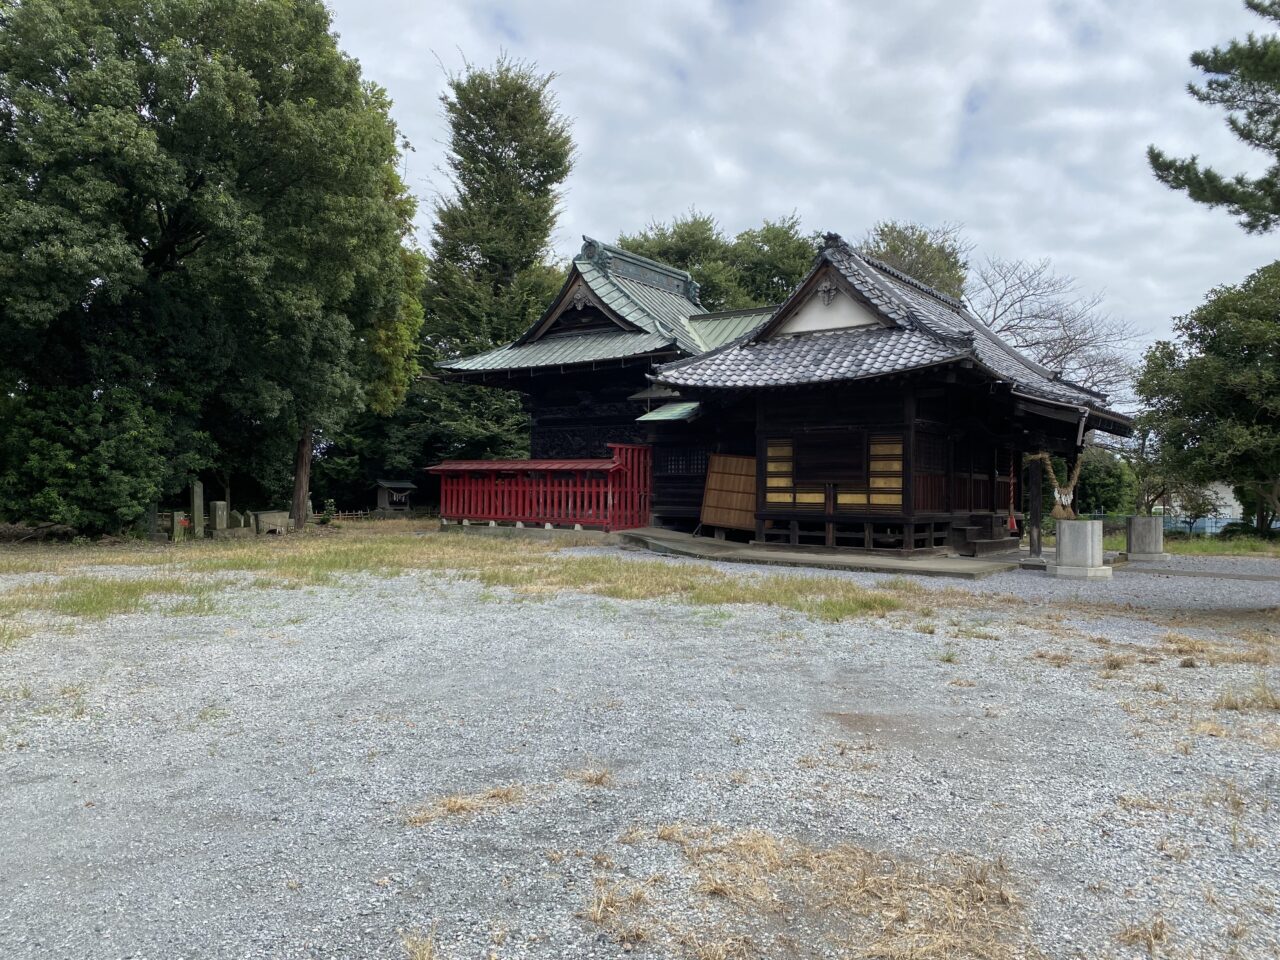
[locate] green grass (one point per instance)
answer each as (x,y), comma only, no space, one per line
(824,598)
(95,598)
(1204,546)
(529,568)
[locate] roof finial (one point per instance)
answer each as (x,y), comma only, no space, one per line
(830,240)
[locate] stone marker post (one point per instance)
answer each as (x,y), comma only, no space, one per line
(1144,539)
(218,514)
(237,519)
(197,509)
(1079,553)
(176,530)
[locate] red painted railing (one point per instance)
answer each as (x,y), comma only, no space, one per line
(611,494)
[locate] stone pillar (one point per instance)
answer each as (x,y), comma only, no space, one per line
(176,530)
(1144,539)
(218,514)
(197,509)
(1079,553)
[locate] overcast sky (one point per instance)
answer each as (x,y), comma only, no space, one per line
(1024,120)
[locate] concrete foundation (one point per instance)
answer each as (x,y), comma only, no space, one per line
(1079,554)
(1144,539)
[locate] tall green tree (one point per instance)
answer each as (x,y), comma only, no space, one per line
(757,267)
(1106,484)
(199,211)
(1243,78)
(488,278)
(1214,393)
(937,256)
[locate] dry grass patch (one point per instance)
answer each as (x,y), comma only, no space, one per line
(710,945)
(1055,658)
(419,946)
(1257,649)
(462,804)
(615,908)
(1209,728)
(1149,936)
(851,901)
(1260,696)
(1116,661)
(1267,737)
(592,776)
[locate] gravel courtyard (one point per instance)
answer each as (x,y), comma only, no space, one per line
(418,762)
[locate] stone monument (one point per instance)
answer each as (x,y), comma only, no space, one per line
(1079,553)
(1144,539)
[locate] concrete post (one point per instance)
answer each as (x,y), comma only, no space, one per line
(197,509)
(1079,553)
(176,530)
(1144,539)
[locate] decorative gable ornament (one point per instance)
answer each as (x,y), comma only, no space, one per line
(827,290)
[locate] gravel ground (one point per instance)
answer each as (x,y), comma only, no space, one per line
(237,785)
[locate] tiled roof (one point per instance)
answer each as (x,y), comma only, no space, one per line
(812,358)
(654,298)
(928,328)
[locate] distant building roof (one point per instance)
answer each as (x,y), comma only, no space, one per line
(396,484)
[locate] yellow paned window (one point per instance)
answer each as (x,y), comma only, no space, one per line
(811,496)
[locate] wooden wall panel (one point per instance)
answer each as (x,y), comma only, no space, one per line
(729,500)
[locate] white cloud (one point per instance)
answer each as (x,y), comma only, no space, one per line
(1026,120)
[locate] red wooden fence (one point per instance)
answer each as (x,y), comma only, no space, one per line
(612,494)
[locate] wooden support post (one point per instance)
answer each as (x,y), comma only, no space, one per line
(1035,508)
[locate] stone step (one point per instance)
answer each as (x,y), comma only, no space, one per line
(986,548)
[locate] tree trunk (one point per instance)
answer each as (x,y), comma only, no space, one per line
(301,479)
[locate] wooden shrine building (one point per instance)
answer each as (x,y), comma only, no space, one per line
(867,411)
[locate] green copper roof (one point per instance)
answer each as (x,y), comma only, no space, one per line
(716,329)
(683,410)
(565,351)
(653,298)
